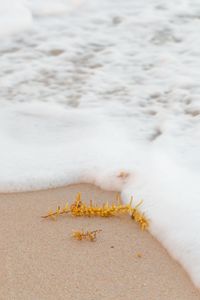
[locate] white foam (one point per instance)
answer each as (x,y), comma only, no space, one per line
(56,147)
(101,89)
(171,200)
(50,7)
(19,15)
(14,17)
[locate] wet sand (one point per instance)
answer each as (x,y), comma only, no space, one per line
(40,260)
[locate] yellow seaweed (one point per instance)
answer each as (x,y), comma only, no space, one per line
(79,208)
(88,235)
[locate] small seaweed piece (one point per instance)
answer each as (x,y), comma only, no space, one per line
(88,235)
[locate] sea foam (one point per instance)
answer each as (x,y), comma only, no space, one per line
(14,17)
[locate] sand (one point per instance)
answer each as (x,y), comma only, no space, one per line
(40,260)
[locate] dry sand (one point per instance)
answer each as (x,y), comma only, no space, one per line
(39,259)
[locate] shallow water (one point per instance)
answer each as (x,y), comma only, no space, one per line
(106,92)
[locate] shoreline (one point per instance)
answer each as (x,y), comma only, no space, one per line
(40,259)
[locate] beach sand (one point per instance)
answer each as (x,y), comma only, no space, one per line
(40,260)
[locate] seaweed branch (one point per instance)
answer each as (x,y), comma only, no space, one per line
(79,208)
